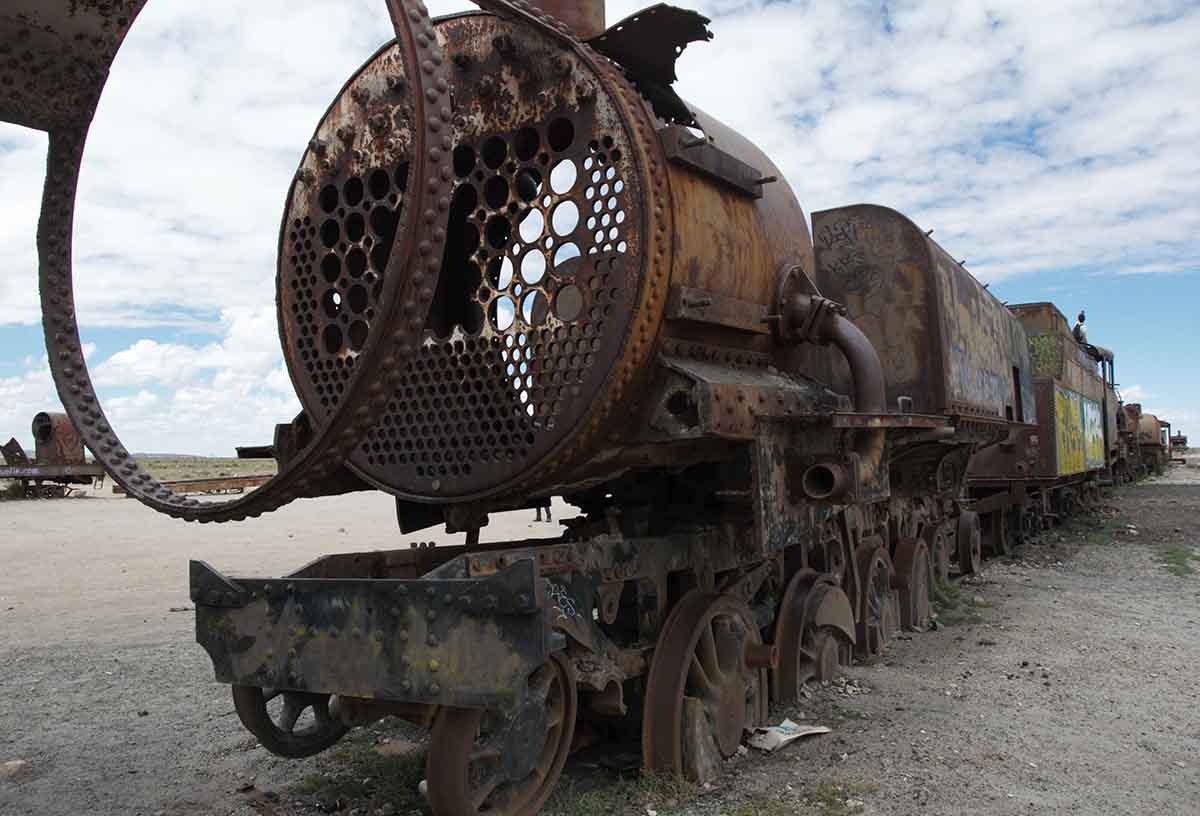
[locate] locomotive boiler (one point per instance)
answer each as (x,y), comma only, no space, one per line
(515,264)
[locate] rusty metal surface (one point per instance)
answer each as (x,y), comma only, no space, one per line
(483,761)
(706,308)
(59,456)
(1150,430)
(55,56)
(646,45)
(1072,396)
(56,439)
(585,18)
(1054,352)
(712,632)
(946,342)
(453,642)
(685,148)
(868,420)
(14,454)
(719,229)
(648,42)
(536,295)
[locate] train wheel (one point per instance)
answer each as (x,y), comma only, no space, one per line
(828,652)
(939,553)
(877,609)
(705,652)
(481,761)
(914,581)
(970,543)
(285,729)
(807,651)
(794,669)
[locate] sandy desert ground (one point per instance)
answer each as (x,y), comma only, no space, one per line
(1065,684)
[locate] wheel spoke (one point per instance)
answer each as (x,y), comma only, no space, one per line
(698,679)
(710,657)
(292,709)
(480,793)
(488,750)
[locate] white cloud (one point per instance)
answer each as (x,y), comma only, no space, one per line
(1134,393)
(23,396)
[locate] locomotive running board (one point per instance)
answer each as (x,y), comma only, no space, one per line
(470,642)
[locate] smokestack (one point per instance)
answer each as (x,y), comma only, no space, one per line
(585,17)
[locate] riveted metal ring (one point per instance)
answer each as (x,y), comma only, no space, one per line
(383,356)
(657,227)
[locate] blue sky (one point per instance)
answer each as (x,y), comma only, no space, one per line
(1052,145)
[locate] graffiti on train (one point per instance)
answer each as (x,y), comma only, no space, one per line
(1079,432)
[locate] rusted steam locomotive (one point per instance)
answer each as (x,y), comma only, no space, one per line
(514,264)
(59,463)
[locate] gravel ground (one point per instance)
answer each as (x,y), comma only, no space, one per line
(1069,687)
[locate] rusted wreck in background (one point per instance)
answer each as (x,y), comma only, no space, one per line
(514,264)
(59,462)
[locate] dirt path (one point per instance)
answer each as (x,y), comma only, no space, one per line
(1074,692)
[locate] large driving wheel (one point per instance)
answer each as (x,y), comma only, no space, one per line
(914,582)
(483,761)
(290,724)
(936,540)
(807,652)
(970,543)
(877,608)
(706,651)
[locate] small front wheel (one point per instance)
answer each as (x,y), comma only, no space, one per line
(504,764)
(291,724)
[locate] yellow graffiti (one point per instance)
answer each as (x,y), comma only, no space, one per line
(1068,421)
(1078,433)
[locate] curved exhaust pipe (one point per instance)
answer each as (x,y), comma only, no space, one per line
(819,320)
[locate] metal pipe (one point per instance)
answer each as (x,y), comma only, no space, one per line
(584,17)
(870,394)
(812,317)
(825,481)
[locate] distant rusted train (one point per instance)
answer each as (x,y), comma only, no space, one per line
(59,463)
(513,265)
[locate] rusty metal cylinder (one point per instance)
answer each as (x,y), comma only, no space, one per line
(56,439)
(825,481)
(567,226)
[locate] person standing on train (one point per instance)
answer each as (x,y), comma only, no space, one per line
(1080,331)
